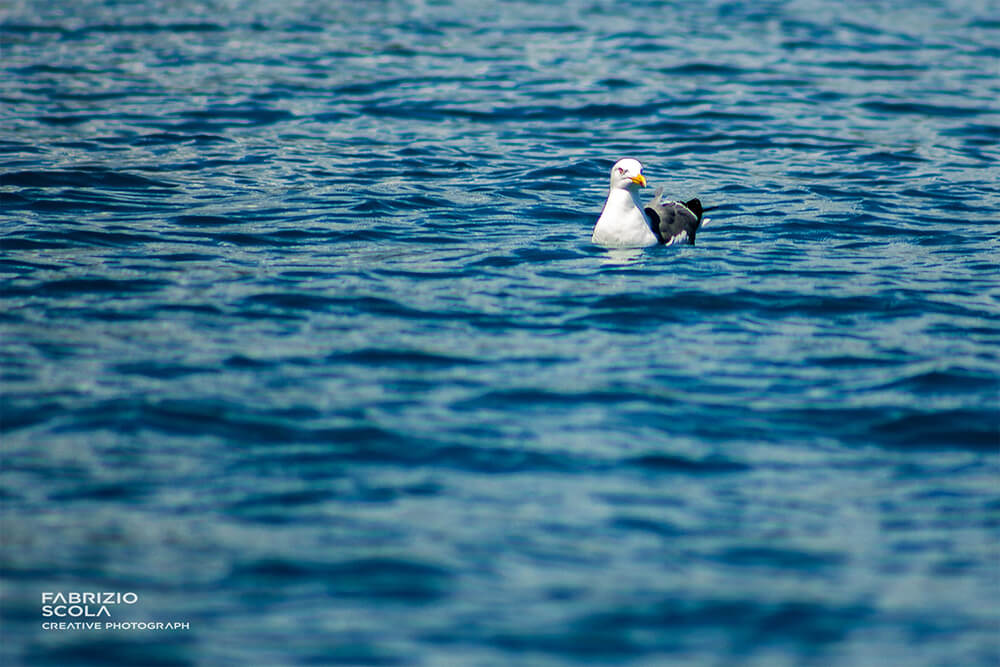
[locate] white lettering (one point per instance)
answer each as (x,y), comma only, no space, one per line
(74,610)
(76,597)
(142,625)
(77,625)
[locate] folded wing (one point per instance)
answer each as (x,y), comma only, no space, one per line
(673,221)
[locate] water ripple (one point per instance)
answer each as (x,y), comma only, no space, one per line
(304,341)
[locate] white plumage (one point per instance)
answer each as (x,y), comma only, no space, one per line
(623,224)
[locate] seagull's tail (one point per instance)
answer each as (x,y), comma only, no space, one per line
(694,205)
(706,221)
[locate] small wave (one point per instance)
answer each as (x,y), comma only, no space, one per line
(704,68)
(290,301)
(401,357)
(83,178)
(433,110)
(397,579)
(204,221)
(93,285)
(781,560)
(145,27)
(940,429)
(160,370)
(668,626)
(920,109)
(664,462)
(202,119)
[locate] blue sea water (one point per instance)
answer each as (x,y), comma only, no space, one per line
(304,341)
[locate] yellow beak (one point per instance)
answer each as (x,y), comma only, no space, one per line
(640,179)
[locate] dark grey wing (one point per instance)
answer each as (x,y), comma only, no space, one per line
(672,221)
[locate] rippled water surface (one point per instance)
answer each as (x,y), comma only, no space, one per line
(305,343)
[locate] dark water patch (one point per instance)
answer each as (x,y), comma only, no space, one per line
(676,304)
(204,220)
(920,109)
(24,267)
(376,205)
(290,301)
(191,308)
(66,119)
(159,370)
(854,362)
(976,430)
(616,83)
(422,201)
(874,65)
(227,115)
(187,257)
(377,357)
(152,28)
(363,89)
(389,579)
(83,177)
(717,115)
(19,148)
(104,492)
(910,429)
(21,29)
(674,625)
(677,464)
(333,116)
(495,262)
(173,138)
(393,308)
(948,198)
(491,460)
(111,314)
(548,254)
(537,400)
(642,525)
(85,237)
(11,200)
(948,382)
(102,650)
(282,500)
(351,653)
(93,285)
(782,560)
(367,444)
(703,68)
(241,362)
(17,416)
(286,508)
(81,201)
(202,418)
(434,110)
(673,128)
(979,134)
(894,158)
(248,240)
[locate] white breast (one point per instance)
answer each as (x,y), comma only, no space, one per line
(622,223)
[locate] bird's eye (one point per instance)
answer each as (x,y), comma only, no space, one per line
(620,170)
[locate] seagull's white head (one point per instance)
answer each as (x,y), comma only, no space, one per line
(627,175)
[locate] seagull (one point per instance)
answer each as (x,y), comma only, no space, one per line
(625,223)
